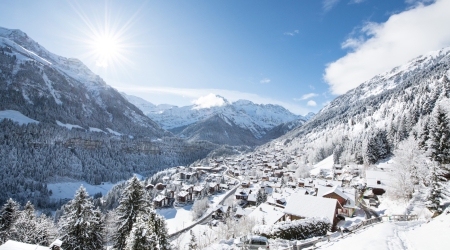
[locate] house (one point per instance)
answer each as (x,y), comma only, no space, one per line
(266,214)
(184,197)
(306,206)
(198,190)
(160,201)
(160,186)
(149,186)
(378,181)
(241,194)
(223,186)
(251,199)
(245,184)
(213,187)
(188,188)
(222,211)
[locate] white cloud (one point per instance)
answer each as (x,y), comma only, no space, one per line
(208,101)
(357,1)
(327,5)
(306,97)
(381,46)
(311,103)
(184,96)
(293,33)
(265,80)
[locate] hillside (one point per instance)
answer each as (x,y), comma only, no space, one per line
(60,121)
(365,124)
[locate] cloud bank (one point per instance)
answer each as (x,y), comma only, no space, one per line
(378,47)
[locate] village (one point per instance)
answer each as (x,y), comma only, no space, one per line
(267,188)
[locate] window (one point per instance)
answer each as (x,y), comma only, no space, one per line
(378,182)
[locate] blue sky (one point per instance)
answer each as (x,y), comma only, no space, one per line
(300,54)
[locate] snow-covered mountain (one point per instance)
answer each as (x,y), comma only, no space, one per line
(53,88)
(366,124)
(61,122)
(256,118)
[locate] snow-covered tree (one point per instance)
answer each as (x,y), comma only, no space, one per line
(8,215)
(439,143)
(141,236)
(193,242)
(437,191)
(81,226)
(410,168)
(199,208)
(132,202)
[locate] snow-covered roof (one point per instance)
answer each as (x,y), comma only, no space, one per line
(15,245)
(270,214)
(337,191)
(183,193)
(159,198)
(251,197)
(311,206)
(199,188)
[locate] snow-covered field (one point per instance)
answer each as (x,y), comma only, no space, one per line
(66,190)
(326,163)
(16,116)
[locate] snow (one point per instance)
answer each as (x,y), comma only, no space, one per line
(326,163)
(373,177)
(96,130)
(52,91)
(113,132)
(311,206)
(66,190)
(68,126)
(177,218)
(266,212)
(16,116)
(14,245)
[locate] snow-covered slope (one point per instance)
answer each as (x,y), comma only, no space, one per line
(257,118)
(47,87)
(365,124)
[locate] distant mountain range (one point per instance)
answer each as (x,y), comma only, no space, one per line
(239,123)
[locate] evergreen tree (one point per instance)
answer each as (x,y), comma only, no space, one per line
(141,236)
(81,225)
(132,202)
(193,242)
(440,136)
(158,226)
(25,228)
(8,215)
(424,135)
(437,189)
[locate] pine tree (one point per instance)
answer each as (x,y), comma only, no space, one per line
(8,215)
(193,242)
(440,136)
(141,236)
(25,227)
(159,228)
(437,189)
(81,225)
(132,202)
(424,135)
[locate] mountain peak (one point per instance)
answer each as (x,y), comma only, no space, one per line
(210,101)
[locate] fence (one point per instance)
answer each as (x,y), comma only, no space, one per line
(353,229)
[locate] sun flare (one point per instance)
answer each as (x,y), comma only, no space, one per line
(106,50)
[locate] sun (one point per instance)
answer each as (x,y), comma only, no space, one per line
(106,50)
